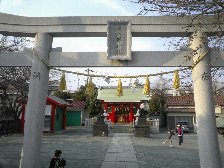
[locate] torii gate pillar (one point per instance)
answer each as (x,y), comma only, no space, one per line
(204,104)
(34,116)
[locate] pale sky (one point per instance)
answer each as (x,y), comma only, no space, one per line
(50,8)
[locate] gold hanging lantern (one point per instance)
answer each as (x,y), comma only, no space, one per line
(90,87)
(62,85)
(146,89)
(119,88)
(176,82)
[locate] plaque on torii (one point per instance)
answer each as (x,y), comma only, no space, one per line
(119,40)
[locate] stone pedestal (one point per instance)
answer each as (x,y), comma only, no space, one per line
(142,129)
(100,128)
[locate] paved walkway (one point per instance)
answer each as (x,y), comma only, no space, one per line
(121,153)
(82,150)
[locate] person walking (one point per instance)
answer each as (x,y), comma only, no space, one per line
(171,133)
(180,134)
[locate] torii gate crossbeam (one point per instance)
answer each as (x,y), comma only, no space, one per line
(99,59)
(44,29)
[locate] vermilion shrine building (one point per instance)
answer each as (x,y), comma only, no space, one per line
(55,114)
(121,109)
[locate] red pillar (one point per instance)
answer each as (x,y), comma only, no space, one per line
(113,113)
(53,108)
(139,105)
(105,106)
(131,113)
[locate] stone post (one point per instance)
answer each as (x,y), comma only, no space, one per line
(204,103)
(35,112)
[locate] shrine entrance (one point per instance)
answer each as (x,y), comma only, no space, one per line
(119,30)
(120,112)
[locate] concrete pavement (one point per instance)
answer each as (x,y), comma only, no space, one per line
(82,150)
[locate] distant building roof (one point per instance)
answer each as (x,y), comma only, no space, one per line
(219,100)
(189,101)
(182,110)
(77,105)
(180,101)
(129,95)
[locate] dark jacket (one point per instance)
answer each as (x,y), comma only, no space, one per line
(54,163)
(171,133)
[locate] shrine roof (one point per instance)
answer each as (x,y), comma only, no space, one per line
(77,105)
(56,100)
(129,94)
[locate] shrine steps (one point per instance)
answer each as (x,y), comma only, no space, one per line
(121,128)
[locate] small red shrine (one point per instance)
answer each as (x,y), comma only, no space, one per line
(55,114)
(121,109)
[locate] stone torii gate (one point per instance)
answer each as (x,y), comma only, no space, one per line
(119,31)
